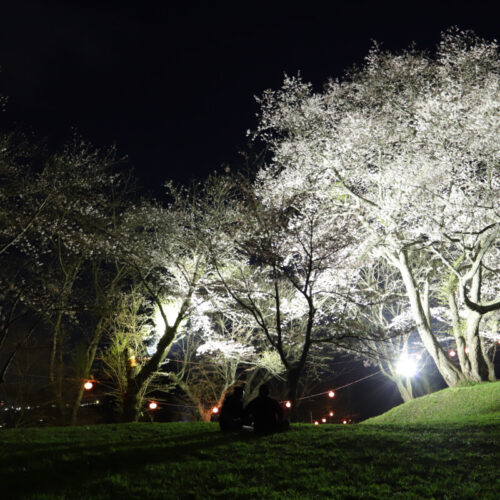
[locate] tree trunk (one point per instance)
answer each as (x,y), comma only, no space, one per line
(140,377)
(459,335)
(89,361)
(132,403)
(56,368)
(450,373)
(405,389)
(292,377)
(479,366)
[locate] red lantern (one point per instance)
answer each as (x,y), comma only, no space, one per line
(88,385)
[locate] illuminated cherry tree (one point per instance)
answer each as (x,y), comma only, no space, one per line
(285,263)
(166,247)
(216,354)
(408,144)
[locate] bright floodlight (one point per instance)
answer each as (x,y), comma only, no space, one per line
(406,366)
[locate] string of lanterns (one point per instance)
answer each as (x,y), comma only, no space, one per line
(152,405)
(406,366)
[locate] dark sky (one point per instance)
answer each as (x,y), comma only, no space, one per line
(173,85)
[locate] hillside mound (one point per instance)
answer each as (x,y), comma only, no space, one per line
(474,404)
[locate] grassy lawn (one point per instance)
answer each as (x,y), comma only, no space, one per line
(195,460)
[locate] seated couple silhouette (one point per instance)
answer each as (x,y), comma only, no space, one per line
(265,413)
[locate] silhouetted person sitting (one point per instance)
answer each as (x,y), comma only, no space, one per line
(231,413)
(266,413)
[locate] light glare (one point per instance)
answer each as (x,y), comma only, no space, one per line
(406,366)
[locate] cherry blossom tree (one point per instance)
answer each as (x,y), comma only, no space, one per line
(218,354)
(408,143)
(62,208)
(166,247)
(284,262)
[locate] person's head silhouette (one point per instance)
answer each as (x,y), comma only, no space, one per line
(264,390)
(239,392)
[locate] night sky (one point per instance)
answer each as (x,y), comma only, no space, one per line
(173,86)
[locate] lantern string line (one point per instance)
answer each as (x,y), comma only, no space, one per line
(378,372)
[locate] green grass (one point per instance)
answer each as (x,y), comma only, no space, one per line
(477,403)
(168,461)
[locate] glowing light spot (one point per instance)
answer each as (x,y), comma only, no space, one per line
(153,405)
(323,420)
(215,410)
(88,385)
(344,421)
(316,422)
(452,353)
(406,366)
(171,310)
(288,404)
(331,394)
(331,414)
(466,350)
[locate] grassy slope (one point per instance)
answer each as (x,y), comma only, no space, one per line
(167,461)
(470,404)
